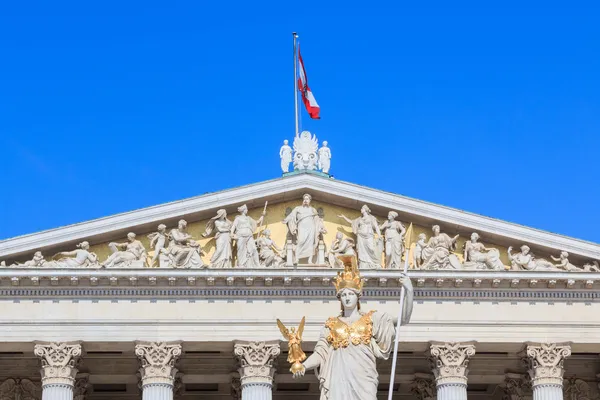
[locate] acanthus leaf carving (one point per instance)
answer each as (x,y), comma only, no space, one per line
(449,362)
(257,360)
(157,361)
(545,362)
(59,362)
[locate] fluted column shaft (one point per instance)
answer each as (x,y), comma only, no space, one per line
(158,368)
(157,392)
(546,369)
(449,365)
(256,368)
(57,392)
(58,370)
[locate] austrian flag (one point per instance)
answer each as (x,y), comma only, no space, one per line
(307,97)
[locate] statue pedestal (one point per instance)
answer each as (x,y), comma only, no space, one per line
(321,253)
(289,254)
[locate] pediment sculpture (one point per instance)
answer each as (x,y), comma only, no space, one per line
(246,243)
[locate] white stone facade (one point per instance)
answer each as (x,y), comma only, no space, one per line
(168,333)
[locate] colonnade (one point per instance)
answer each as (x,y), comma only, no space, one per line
(449,367)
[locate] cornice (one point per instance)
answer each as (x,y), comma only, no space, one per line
(291,283)
(283,189)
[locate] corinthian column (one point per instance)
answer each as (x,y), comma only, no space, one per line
(545,362)
(449,364)
(158,368)
(59,361)
(256,368)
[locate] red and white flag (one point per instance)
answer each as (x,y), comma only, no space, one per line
(307,97)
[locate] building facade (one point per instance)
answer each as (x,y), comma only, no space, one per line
(143,305)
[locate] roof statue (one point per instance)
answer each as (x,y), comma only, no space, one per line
(307,156)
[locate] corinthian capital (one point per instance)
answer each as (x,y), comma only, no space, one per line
(449,361)
(545,361)
(59,361)
(256,361)
(158,362)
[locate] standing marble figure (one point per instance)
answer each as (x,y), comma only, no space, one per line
(285,153)
(306,226)
(368,247)
(242,231)
(394,241)
(222,226)
(325,158)
(346,353)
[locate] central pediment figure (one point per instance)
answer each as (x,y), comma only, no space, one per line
(306,227)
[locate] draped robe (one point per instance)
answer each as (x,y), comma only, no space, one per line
(305,222)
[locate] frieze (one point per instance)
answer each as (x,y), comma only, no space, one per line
(246,243)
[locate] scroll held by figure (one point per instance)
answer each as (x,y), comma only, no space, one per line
(345,355)
(305,227)
(294,338)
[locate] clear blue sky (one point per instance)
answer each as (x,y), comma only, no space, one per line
(107,107)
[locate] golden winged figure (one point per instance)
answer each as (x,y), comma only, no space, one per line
(294,337)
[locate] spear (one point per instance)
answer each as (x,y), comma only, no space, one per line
(263,219)
(399,323)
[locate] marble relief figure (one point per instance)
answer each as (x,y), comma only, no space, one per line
(438,252)
(477,256)
(394,233)
(37,261)
(123,254)
(369,247)
(269,253)
(158,241)
(242,231)
(341,246)
(183,251)
(82,257)
(345,356)
(417,259)
(564,264)
(305,227)
(222,227)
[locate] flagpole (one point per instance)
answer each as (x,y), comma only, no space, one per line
(398,324)
(296,81)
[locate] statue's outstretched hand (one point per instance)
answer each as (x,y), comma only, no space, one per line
(300,374)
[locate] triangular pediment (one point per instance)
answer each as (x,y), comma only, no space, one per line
(330,196)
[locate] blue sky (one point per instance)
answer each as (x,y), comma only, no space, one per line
(494,109)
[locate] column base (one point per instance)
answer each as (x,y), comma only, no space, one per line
(452,391)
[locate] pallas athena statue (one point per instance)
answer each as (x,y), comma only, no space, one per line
(345,355)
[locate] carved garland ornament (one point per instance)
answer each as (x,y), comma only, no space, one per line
(158,362)
(449,362)
(546,363)
(256,361)
(59,362)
